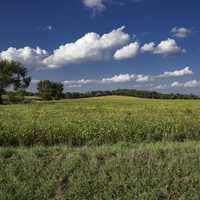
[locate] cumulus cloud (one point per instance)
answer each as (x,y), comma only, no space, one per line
(121,78)
(124,78)
(143,78)
(160,87)
(128,51)
(181,32)
(91,47)
(28,56)
(35,81)
(177,84)
(165,47)
(95,5)
(149,47)
(182,72)
(79,82)
(187,84)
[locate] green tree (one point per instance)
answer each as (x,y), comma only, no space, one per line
(50,90)
(12,74)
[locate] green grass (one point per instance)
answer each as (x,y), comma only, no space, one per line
(121,171)
(106,148)
(97,121)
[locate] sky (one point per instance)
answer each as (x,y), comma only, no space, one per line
(105,44)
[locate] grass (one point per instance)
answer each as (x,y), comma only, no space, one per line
(97,121)
(106,148)
(122,171)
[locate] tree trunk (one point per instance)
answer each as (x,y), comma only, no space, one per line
(1,100)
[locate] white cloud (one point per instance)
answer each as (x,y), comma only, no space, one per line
(149,47)
(160,87)
(50,28)
(177,84)
(96,5)
(124,78)
(168,47)
(182,72)
(143,78)
(121,78)
(81,82)
(34,81)
(128,51)
(181,32)
(165,47)
(187,84)
(28,56)
(91,47)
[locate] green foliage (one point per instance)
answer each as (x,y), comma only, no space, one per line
(128,149)
(97,121)
(16,97)
(12,74)
(122,172)
(7,153)
(129,92)
(50,90)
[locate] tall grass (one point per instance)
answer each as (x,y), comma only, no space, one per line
(122,172)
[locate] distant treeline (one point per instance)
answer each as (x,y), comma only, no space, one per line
(132,93)
(121,92)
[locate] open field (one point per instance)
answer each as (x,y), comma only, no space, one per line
(97,121)
(106,148)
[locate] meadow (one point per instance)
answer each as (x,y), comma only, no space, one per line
(105,148)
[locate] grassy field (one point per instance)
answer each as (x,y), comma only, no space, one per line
(118,172)
(97,121)
(106,148)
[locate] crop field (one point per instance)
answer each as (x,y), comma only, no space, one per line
(105,148)
(97,121)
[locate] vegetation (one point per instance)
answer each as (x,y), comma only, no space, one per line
(132,93)
(101,148)
(97,121)
(12,74)
(122,171)
(50,90)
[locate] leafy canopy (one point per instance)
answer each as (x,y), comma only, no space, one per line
(13,74)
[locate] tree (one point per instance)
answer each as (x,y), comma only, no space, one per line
(12,74)
(50,90)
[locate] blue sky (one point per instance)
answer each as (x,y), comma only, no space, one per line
(105,44)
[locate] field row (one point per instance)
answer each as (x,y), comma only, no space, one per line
(98,121)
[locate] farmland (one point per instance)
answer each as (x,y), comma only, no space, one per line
(97,121)
(100,148)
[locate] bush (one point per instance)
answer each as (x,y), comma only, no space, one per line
(50,90)
(16,98)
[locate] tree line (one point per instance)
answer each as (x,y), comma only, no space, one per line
(14,80)
(132,93)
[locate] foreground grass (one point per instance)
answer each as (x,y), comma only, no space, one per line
(97,121)
(122,171)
